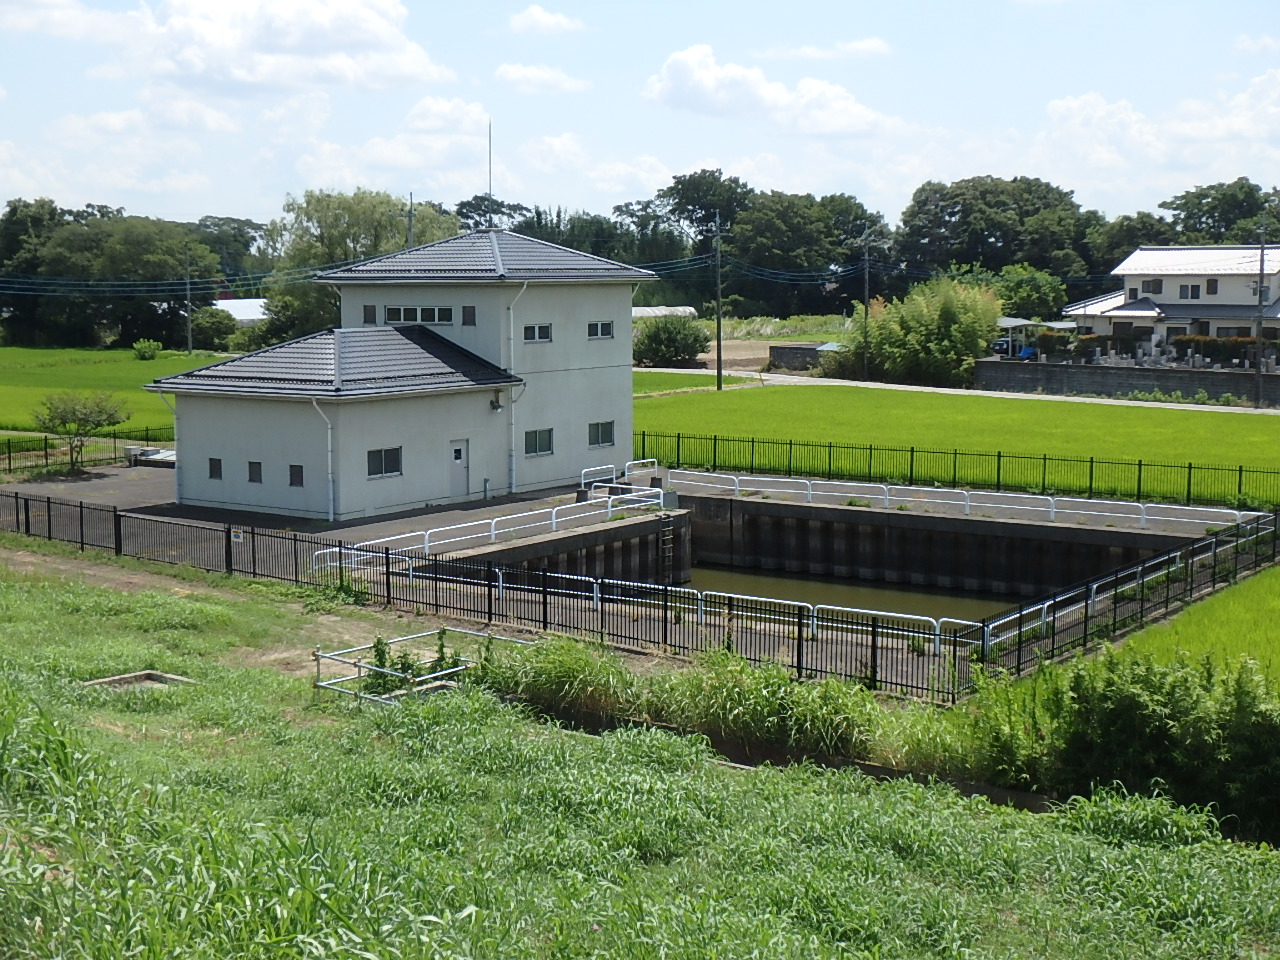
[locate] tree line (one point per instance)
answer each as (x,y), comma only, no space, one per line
(96,276)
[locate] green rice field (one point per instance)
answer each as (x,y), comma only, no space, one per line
(901,418)
(247,816)
(28,374)
(646,382)
(1241,622)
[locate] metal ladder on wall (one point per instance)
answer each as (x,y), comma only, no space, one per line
(666,548)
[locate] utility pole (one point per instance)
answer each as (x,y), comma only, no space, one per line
(1262,275)
(719,315)
(186,261)
(866,294)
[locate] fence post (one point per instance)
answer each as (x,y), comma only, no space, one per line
(386,572)
(46,452)
(229,560)
(435,583)
(999,465)
(678,436)
(1190,468)
(791,446)
(81,510)
(488,582)
(253,551)
(546,619)
(715,452)
(955,467)
(116,532)
(48,518)
(1017,670)
(666,617)
(753,455)
(1044,472)
(800,643)
(26,516)
(1091,478)
(1142,593)
(1138,494)
(911,469)
(1240,481)
(875,653)
(643,445)
(295,558)
(831,449)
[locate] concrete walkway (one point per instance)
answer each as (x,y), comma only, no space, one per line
(791,379)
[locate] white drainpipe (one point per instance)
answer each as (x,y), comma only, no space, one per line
(511,398)
(328,430)
(177,461)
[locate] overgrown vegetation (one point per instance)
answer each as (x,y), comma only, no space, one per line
(669,341)
(242,817)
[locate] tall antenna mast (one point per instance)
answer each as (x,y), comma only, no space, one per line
(490,194)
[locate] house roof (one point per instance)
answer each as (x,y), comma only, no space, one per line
(1220,260)
(345,364)
(487,256)
(1115,306)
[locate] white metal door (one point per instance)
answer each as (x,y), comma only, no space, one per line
(459,469)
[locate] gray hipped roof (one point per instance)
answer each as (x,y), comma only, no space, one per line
(345,364)
(487,256)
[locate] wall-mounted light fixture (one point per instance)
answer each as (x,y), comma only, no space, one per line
(496,403)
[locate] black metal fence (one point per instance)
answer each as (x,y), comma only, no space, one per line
(898,654)
(46,453)
(1188,483)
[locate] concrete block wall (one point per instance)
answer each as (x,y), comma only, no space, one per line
(1064,379)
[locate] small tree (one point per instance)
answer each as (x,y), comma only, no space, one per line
(75,417)
(669,342)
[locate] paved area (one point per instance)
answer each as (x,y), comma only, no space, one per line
(150,491)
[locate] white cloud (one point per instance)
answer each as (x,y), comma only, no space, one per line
(285,43)
(536,79)
(695,80)
(534,19)
(871,46)
(296,118)
(641,175)
(1262,43)
(552,154)
(438,113)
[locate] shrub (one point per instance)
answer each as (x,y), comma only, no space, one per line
(669,342)
(211,328)
(147,349)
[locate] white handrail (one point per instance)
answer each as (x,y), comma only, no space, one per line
(607,470)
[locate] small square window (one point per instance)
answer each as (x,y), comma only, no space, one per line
(215,468)
(410,314)
(468,316)
(600,434)
(444,314)
(1133,293)
(370,313)
(428,314)
(393,314)
(600,330)
(537,333)
(1184,291)
(1211,287)
(537,442)
(255,471)
(295,474)
(384,462)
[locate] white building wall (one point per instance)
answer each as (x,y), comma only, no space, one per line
(237,431)
(570,381)
(423,428)
(1232,290)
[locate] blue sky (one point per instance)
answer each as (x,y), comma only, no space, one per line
(180,108)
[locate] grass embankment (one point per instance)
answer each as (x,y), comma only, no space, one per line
(646,382)
(901,418)
(28,374)
(246,817)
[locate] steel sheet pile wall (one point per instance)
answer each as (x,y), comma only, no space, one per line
(988,470)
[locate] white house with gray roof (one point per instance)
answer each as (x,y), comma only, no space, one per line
(479,365)
(1207,291)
